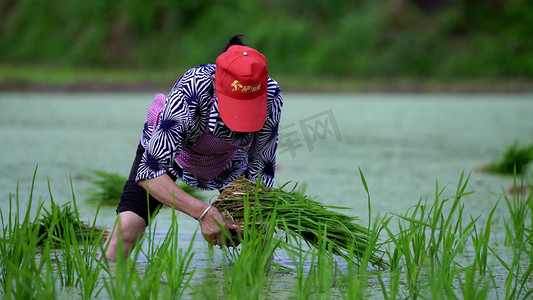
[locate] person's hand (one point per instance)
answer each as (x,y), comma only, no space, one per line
(213,233)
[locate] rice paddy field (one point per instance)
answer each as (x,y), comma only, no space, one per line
(406,165)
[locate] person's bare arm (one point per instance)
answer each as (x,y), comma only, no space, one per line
(166,191)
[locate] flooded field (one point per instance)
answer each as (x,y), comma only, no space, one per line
(403,144)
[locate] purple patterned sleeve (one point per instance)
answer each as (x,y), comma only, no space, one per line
(168,136)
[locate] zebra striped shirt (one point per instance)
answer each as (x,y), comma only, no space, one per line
(188,110)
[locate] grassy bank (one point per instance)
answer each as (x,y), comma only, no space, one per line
(354,39)
(30,78)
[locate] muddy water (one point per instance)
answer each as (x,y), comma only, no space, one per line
(403,144)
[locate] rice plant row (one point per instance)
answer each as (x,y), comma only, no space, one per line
(432,251)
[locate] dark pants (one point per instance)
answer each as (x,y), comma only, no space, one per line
(134,198)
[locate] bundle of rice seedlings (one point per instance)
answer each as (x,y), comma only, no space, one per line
(106,187)
(515,159)
(59,219)
(297,215)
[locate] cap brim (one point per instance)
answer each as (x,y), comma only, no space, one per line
(243,115)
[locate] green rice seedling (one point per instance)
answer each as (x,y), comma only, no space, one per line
(123,273)
(166,269)
(379,225)
(411,265)
(152,247)
(55,249)
(88,267)
(481,244)
(307,283)
(209,285)
(430,241)
(517,282)
(49,290)
(396,270)
(443,268)
(473,285)
(440,281)
(85,252)
(20,275)
(322,273)
(355,283)
(394,285)
(149,286)
(356,288)
(21,278)
(176,261)
(121,284)
(410,245)
(58,219)
(106,187)
(304,285)
(167,264)
(393,253)
(515,157)
(374,231)
(78,245)
(301,215)
(296,251)
(24,281)
(56,226)
(150,283)
(357,277)
(123,276)
(443,231)
(520,209)
(64,261)
(247,276)
(325,271)
(518,236)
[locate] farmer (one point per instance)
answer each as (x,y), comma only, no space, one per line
(217,123)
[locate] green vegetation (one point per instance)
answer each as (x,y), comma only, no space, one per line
(107,187)
(58,220)
(309,40)
(515,159)
(519,235)
(298,216)
(55,74)
(428,254)
(39,258)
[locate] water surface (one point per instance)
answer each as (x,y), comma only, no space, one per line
(403,144)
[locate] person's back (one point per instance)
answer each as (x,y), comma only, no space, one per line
(219,121)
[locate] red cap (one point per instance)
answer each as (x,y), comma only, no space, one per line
(241,83)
